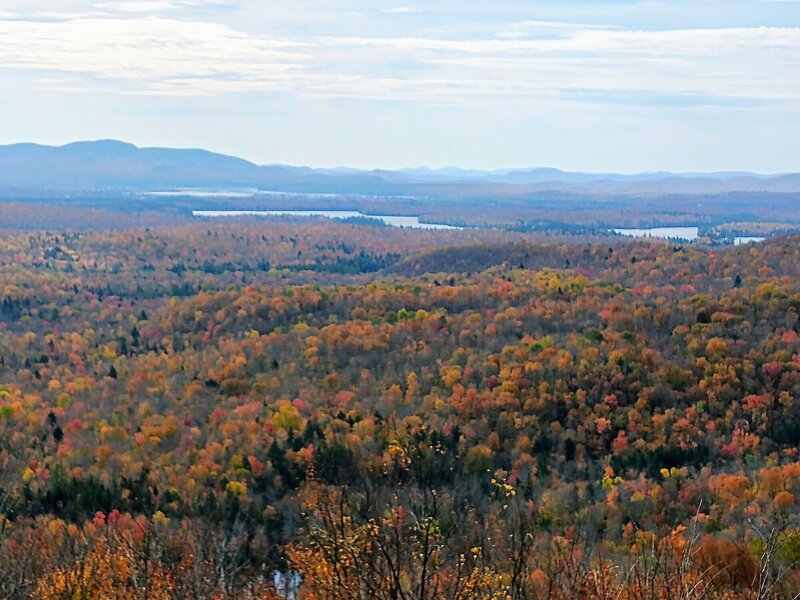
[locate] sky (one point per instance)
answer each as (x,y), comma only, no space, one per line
(624,86)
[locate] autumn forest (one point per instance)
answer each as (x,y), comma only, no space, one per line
(275,409)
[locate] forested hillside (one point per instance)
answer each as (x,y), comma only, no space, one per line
(186,411)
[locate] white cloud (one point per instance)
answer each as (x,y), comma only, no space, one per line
(145,6)
(532,28)
(400,10)
(152,55)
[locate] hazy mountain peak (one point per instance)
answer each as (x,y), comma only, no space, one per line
(112,164)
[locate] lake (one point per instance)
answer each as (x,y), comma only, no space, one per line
(392,220)
(739,241)
(680,233)
(202,194)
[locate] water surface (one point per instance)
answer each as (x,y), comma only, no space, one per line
(392,220)
(740,241)
(666,233)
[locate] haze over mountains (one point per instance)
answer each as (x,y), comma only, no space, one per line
(110,165)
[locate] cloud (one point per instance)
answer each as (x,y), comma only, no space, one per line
(145,6)
(148,55)
(530,28)
(156,6)
(541,61)
(400,10)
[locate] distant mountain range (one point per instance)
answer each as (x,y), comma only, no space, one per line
(110,165)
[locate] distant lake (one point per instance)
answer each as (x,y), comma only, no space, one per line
(394,221)
(203,194)
(740,241)
(679,233)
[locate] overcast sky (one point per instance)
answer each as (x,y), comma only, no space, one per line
(599,85)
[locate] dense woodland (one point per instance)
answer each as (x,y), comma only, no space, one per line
(207,410)
(720,216)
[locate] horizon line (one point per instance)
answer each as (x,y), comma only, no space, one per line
(406,169)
